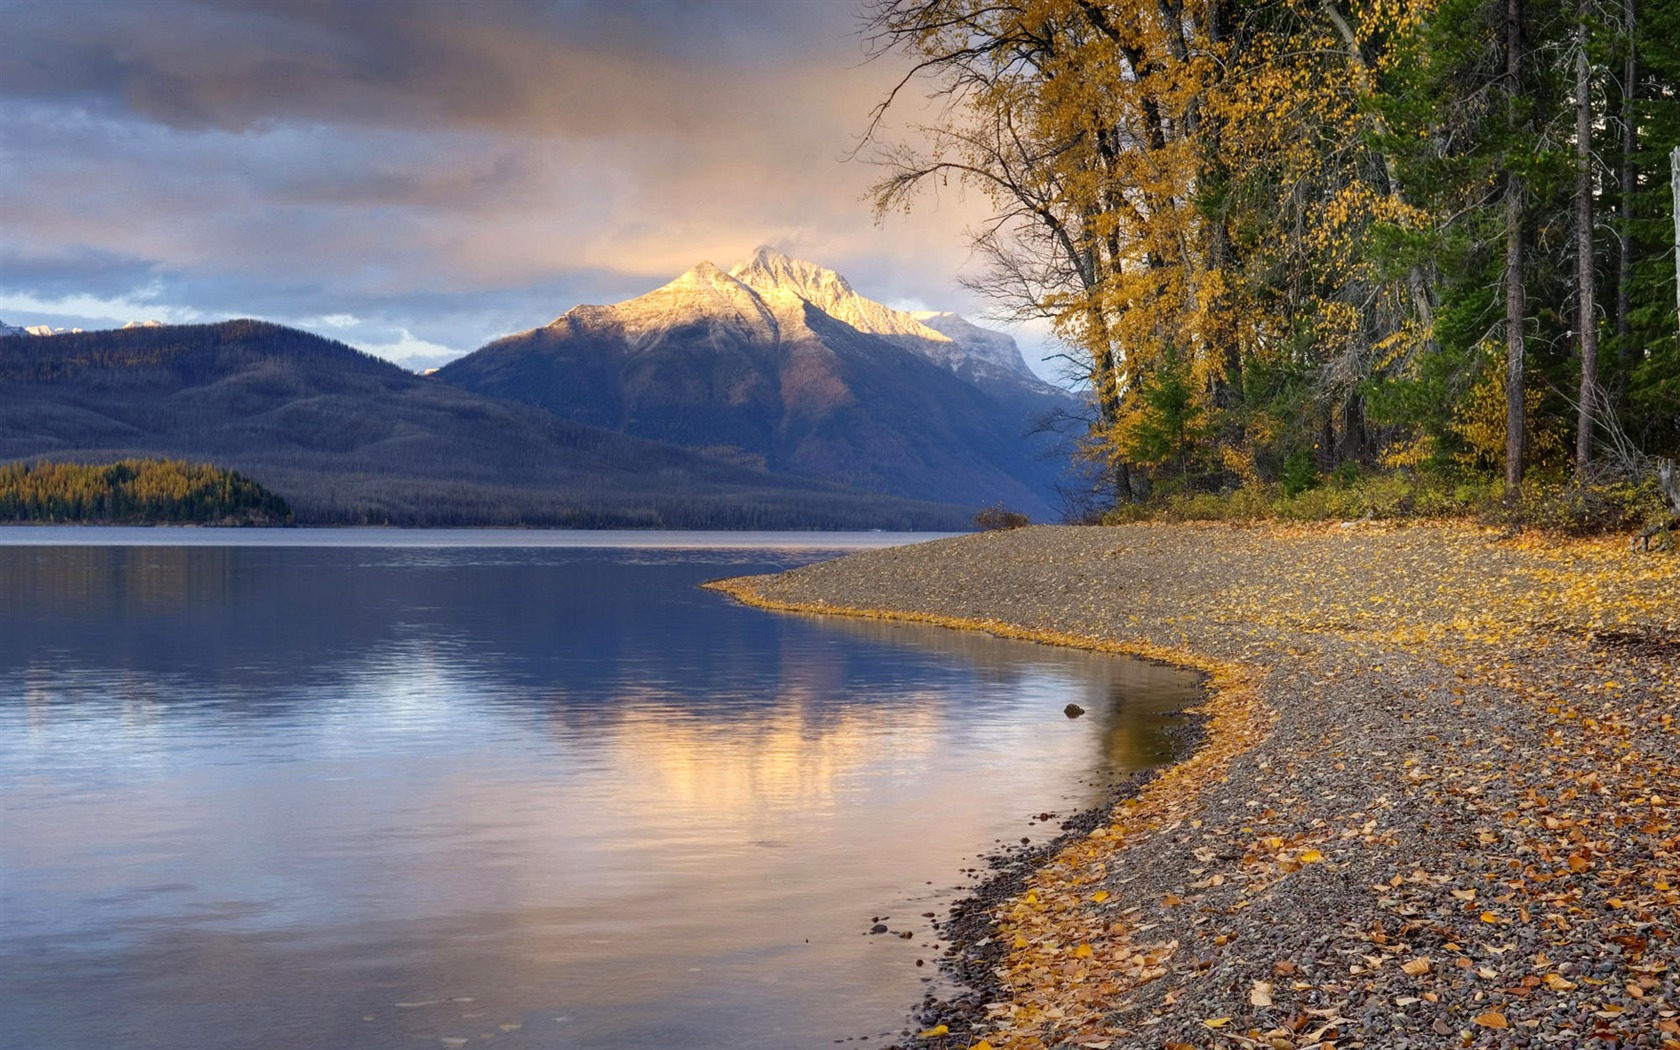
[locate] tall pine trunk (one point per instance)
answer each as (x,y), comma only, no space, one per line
(1624,205)
(1516,298)
(1585,278)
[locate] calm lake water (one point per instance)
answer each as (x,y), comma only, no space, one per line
(400,789)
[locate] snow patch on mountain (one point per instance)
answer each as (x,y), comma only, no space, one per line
(47,329)
(771,271)
(994,348)
(34,329)
(943,337)
(764,299)
(704,296)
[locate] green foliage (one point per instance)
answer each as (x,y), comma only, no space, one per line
(135,491)
(1555,502)
(1299,473)
(1169,426)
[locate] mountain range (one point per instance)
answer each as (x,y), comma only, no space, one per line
(771,395)
(779,364)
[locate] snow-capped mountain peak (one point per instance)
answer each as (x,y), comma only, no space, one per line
(764,298)
(702,295)
(941,336)
(770,271)
(35,329)
(996,349)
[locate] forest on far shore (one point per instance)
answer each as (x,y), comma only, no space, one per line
(135,492)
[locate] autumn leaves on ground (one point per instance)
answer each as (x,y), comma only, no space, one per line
(1438,804)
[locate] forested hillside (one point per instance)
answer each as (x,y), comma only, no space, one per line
(346,438)
(135,491)
(1315,238)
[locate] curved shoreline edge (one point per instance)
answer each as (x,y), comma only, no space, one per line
(1434,805)
(1233,720)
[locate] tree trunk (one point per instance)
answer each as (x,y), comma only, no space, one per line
(1516,305)
(1585,278)
(1624,206)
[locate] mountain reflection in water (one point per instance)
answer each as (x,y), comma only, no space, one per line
(372,796)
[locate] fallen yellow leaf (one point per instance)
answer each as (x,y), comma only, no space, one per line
(1082,952)
(1492,1019)
(1416,967)
(1217,1022)
(936,1030)
(1311,856)
(1099,896)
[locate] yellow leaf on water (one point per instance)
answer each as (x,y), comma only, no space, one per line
(1311,856)
(936,1030)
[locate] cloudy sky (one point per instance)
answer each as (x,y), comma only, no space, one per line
(418,177)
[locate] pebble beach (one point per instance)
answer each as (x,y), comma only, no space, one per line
(1433,802)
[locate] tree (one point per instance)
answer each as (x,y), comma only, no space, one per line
(1586,279)
(1080,121)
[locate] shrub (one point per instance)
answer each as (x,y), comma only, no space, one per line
(990,519)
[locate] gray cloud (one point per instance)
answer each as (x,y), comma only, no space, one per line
(452,170)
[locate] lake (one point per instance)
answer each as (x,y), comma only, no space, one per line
(373,788)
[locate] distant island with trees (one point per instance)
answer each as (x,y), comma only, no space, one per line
(135,492)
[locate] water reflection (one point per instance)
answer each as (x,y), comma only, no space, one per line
(283,797)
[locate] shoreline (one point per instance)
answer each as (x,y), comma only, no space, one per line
(1388,835)
(971,928)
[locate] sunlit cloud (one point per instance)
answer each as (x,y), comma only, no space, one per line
(450,171)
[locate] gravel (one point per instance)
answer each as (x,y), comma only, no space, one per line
(1459,830)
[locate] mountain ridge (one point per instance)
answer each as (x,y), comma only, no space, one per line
(780,362)
(347,437)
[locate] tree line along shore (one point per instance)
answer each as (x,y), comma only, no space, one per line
(1302,245)
(135,491)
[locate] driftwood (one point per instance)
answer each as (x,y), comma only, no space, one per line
(1669,482)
